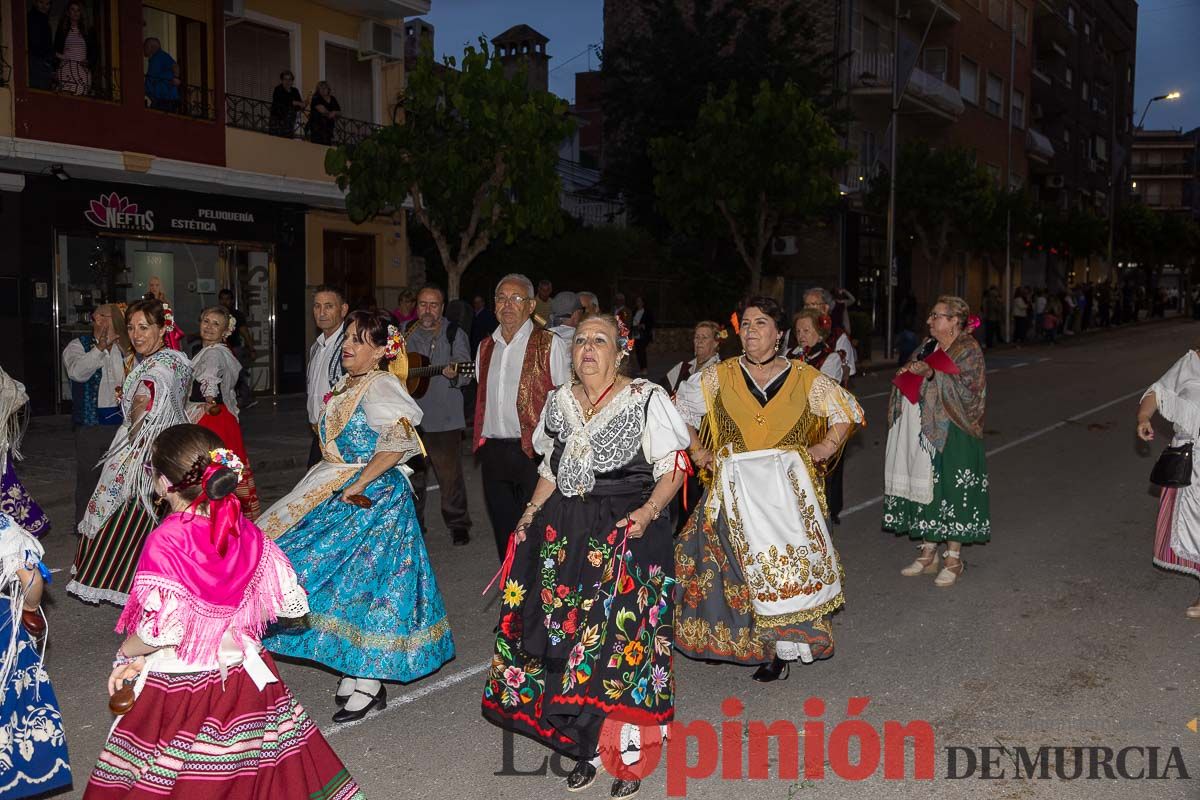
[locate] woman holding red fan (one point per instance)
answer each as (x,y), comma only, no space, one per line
(935,475)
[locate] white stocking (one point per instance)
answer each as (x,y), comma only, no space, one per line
(365,690)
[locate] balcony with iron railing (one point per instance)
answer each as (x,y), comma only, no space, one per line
(1175,169)
(871,73)
(254,114)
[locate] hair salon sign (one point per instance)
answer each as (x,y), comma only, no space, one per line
(114,212)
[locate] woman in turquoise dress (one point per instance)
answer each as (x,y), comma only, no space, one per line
(350,529)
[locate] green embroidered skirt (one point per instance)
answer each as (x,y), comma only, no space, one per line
(959,510)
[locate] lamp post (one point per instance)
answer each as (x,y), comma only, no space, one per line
(1168,96)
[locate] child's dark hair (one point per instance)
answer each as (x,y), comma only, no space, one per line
(181,455)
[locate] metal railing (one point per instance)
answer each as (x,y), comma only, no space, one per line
(196,102)
(76,79)
(874,69)
(254,114)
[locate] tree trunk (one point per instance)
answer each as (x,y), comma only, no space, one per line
(454,275)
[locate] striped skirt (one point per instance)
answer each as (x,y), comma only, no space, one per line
(194,737)
(104,565)
(1164,556)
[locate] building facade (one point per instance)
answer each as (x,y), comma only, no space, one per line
(1165,171)
(124,166)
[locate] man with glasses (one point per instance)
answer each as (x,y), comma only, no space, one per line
(445,344)
(517,366)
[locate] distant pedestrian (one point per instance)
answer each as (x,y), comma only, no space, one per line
(643,332)
(541,308)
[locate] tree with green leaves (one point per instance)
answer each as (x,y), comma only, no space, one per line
(657,75)
(941,198)
(749,161)
(476,153)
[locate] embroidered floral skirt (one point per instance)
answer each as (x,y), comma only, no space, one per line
(585,634)
(375,609)
(195,736)
(227,429)
(716,620)
(33,750)
(959,511)
(16,502)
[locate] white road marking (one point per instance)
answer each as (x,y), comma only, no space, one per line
(411,697)
(1021,364)
(459,677)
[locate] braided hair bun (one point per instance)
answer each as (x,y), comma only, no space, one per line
(222,483)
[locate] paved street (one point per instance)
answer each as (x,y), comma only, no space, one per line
(1060,633)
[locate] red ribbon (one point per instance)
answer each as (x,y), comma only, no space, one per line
(510,553)
(688,471)
(224,514)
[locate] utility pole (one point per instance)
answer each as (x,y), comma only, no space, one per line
(891,210)
(1012,78)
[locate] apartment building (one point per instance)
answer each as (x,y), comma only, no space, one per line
(139,159)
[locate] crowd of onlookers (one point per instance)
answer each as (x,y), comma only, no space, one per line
(1041,314)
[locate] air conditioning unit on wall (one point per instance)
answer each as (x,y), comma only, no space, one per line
(379,40)
(784,246)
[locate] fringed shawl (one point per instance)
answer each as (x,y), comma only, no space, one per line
(948,398)
(12,426)
(239,592)
(169,375)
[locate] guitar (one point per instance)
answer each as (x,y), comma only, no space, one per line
(420,371)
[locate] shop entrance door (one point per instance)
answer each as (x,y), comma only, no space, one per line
(350,266)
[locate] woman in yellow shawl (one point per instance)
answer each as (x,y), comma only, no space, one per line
(758,573)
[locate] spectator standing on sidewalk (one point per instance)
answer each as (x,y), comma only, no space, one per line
(993,315)
(445,344)
(324,357)
(1020,312)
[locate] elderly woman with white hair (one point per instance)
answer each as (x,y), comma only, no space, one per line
(517,367)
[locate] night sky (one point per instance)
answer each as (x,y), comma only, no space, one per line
(1168,53)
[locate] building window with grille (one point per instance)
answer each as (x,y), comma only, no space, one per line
(1018,109)
(997,11)
(995,95)
(1021,22)
(255,56)
(968,81)
(934,62)
(352,81)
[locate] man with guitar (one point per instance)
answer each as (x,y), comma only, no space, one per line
(439,365)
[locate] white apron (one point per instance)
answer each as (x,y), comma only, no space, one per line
(789,561)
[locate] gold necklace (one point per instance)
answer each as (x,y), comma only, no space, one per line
(588,413)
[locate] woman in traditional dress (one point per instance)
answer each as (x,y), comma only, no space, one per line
(351,529)
(935,475)
(121,511)
(758,573)
(95,363)
(213,402)
(587,610)
(1176,396)
(812,329)
(210,717)
(14,499)
(33,749)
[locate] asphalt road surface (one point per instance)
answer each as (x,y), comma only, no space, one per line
(1060,634)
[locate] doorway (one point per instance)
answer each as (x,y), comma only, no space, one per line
(350,266)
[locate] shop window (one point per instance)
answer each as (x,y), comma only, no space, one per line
(176,63)
(968,81)
(85,32)
(352,82)
(995,95)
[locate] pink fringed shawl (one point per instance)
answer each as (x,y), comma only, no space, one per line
(239,591)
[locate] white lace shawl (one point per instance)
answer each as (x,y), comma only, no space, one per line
(640,420)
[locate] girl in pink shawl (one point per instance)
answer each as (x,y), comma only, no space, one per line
(208,582)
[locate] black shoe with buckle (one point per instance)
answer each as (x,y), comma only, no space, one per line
(778,669)
(624,788)
(459,538)
(583,776)
(378,701)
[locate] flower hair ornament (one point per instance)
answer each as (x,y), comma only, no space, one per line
(230,327)
(973,322)
(722,334)
(171,333)
(624,339)
(225,510)
(825,321)
(395,343)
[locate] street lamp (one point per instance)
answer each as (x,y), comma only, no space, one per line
(1168,96)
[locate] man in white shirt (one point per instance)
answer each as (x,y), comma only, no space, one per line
(325,356)
(839,339)
(95,364)
(517,366)
(565,313)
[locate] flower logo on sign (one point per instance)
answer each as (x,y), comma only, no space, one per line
(114,211)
